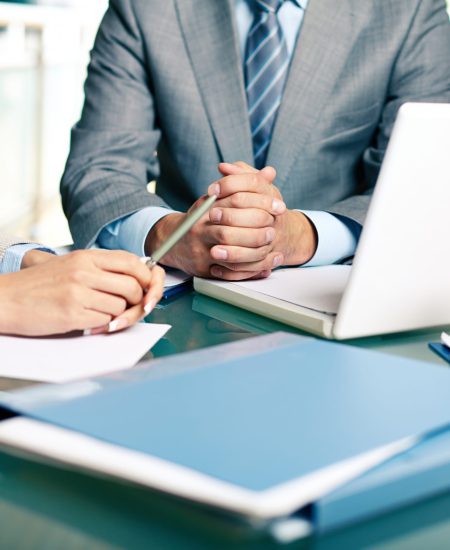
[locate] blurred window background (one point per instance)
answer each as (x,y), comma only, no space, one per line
(44,50)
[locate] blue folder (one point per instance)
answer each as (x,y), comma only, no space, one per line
(266,411)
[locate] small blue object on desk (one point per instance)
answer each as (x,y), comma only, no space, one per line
(442,350)
(172,291)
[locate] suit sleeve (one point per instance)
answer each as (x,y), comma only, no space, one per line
(421,74)
(113,146)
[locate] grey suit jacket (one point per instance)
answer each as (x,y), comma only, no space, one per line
(165,100)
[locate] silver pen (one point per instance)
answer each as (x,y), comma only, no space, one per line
(180,232)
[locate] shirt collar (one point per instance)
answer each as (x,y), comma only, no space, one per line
(299,3)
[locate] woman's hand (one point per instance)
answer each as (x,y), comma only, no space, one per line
(83,290)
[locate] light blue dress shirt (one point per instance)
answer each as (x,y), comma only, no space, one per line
(337,237)
(12,260)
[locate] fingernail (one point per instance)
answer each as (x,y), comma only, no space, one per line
(150,307)
(270,235)
(265,274)
(216,272)
(220,253)
(277,261)
(144,259)
(216,215)
(278,207)
(214,189)
(117,324)
(87,332)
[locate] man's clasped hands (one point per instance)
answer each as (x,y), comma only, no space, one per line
(248,233)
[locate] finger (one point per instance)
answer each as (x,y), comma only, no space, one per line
(119,261)
(266,263)
(93,322)
(156,289)
(249,217)
(273,206)
(102,302)
(117,284)
(236,236)
(229,169)
(253,183)
(222,273)
(127,319)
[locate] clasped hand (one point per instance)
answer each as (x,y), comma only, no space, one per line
(247,234)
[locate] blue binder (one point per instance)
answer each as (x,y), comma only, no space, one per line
(263,413)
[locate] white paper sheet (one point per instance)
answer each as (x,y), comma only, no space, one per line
(445,339)
(66,358)
(175,277)
(317,288)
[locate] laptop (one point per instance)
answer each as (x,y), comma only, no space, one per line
(400,277)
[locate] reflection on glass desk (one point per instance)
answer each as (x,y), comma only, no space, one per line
(42,506)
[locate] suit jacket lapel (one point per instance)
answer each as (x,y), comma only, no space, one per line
(315,68)
(209,31)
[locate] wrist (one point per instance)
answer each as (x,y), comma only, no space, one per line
(7,305)
(159,233)
(35,257)
(301,239)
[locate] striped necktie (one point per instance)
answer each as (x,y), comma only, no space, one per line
(266,66)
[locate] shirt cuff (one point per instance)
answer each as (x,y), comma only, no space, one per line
(130,232)
(12,260)
(338,237)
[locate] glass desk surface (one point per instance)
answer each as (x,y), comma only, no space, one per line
(47,507)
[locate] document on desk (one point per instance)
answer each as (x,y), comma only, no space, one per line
(65,358)
(317,288)
(262,434)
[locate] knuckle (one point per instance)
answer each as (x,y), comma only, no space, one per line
(266,218)
(261,237)
(136,293)
(262,254)
(76,274)
(266,202)
(121,305)
(235,256)
(237,200)
(222,235)
(229,217)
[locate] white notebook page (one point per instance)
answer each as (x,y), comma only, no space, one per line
(316,288)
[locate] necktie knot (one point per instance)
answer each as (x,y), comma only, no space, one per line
(268,6)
